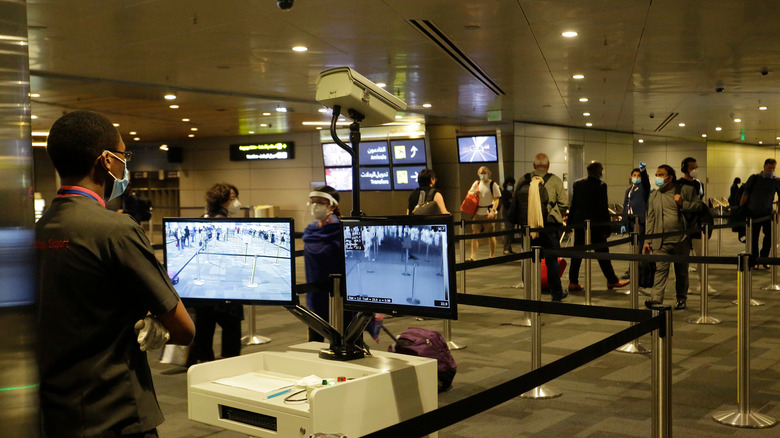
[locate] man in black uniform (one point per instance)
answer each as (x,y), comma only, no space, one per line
(101,293)
(589,202)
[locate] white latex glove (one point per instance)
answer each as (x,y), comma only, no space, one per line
(152,335)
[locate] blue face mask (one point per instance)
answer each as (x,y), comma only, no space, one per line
(510,188)
(660,182)
(120,185)
(636,180)
(769,174)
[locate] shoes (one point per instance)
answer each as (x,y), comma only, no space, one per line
(742,239)
(620,283)
(574,287)
(469,260)
(680,305)
(564,294)
(652,303)
(766,267)
(626,276)
(508,252)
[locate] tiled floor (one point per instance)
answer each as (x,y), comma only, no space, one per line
(610,397)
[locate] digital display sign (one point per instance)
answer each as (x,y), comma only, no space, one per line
(477,149)
(373,153)
(283,150)
(340,178)
(375,178)
(334,155)
(408,151)
(405,177)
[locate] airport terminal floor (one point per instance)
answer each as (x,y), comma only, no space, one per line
(609,397)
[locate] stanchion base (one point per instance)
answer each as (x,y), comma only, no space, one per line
(521,322)
(750,420)
(708,320)
(623,292)
(255,340)
(541,392)
(199,282)
(772,287)
(454,346)
(520,285)
(633,348)
(753,302)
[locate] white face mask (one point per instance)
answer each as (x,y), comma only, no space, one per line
(234,208)
(694,173)
(320,211)
(483,176)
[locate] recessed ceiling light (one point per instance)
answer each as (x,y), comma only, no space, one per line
(116,125)
(760,142)
(681,124)
(778,138)
(583,99)
(173,106)
(399,117)
(163,147)
(427,105)
(586,114)
(185,120)
(323,110)
(578,76)
(193,129)
(251,132)
(704,135)
(762,108)
(281,109)
(300,49)
(718,128)
(136,138)
(46,134)
(318,127)
(170,96)
(381,84)
(266,114)
(264,125)
(191,135)
(589,124)
(641,141)
(33,116)
(569,34)
(737,120)
(133,133)
(35,95)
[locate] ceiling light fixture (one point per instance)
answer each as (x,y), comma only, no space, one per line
(323,110)
(641,140)
(300,49)
(681,125)
(589,124)
(762,108)
(35,95)
(33,116)
(718,128)
(170,96)
(760,142)
(737,120)
(133,133)
(163,147)
(323,123)
(185,120)
(583,99)
(586,114)
(266,114)
(281,109)
(173,106)
(704,135)
(381,84)
(193,129)
(427,105)
(46,134)
(191,135)
(399,117)
(136,138)
(578,76)
(116,125)
(264,125)
(569,34)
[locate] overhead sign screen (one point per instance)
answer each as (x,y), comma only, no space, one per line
(374,153)
(340,178)
(283,150)
(405,177)
(408,151)
(478,149)
(375,178)
(334,156)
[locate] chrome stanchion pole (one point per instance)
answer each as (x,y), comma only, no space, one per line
(587,265)
(773,286)
(748,248)
(662,375)
(634,347)
(704,286)
(252,338)
(525,320)
(720,230)
(540,392)
(447,323)
(742,416)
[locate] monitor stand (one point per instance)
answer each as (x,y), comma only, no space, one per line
(343,346)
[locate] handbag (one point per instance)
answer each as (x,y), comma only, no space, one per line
(426,204)
(470,204)
(646,274)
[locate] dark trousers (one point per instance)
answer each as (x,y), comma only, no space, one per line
(549,240)
(605,265)
(766,245)
(509,237)
(206,320)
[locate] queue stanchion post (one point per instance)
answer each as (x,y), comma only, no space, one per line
(253,338)
(742,415)
(748,245)
(542,391)
(662,375)
(587,265)
(704,286)
(773,286)
(634,347)
(447,323)
(720,229)
(525,319)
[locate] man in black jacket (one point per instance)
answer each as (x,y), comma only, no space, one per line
(589,202)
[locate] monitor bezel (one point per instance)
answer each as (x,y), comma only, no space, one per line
(457,144)
(196,301)
(400,309)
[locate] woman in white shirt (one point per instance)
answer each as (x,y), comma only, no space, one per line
(489,193)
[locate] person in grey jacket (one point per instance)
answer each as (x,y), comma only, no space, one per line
(664,215)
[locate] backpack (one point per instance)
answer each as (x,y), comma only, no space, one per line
(518,209)
(431,344)
(696,219)
(426,204)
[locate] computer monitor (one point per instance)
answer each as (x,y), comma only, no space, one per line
(340,178)
(400,265)
(478,149)
(334,155)
(240,260)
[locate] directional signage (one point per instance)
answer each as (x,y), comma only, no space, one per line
(405,177)
(283,150)
(408,151)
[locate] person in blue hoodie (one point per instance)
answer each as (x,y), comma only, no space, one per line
(323,252)
(635,202)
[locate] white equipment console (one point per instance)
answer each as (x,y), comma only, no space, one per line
(379,391)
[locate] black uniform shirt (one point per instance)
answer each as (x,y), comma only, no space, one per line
(97,276)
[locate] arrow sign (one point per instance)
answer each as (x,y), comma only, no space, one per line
(414,151)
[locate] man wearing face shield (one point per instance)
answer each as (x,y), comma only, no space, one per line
(323,253)
(221,201)
(103,297)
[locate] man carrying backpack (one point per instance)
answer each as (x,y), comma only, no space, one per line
(539,200)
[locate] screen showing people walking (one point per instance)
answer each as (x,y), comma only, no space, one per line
(478,149)
(243,260)
(400,265)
